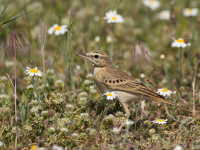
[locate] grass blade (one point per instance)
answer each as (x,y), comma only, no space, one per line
(14,13)
(17,17)
(4,9)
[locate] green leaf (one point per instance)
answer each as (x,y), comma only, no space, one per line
(4,9)
(8,19)
(17,17)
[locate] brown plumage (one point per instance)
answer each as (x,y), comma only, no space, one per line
(109,78)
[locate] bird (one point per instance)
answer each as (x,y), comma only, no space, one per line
(108,78)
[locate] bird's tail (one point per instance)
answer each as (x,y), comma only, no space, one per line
(170,103)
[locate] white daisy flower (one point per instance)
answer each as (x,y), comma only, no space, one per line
(153,4)
(113,17)
(187,12)
(164,15)
(116,130)
(160,121)
(32,72)
(180,43)
(110,95)
(128,123)
(164,92)
(58,29)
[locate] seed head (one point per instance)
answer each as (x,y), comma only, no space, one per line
(187,37)
(141,53)
(42,37)
(14,43)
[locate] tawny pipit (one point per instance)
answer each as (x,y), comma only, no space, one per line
(109,78)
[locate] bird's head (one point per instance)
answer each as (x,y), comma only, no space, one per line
(97,57)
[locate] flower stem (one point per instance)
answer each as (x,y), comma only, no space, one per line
(33,80)
(53,62)
(15,94)
(126,135)
(105,112)
(165,69)
(160,130)
(68,51)
(180,67)
(112,44)
(43,61)
(34,90)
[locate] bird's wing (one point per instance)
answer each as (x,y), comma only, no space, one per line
(132,86)
(126,83)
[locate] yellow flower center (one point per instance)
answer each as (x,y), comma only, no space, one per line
(109,94)
(160,120)
(151,2)
(180,41)
(164,90)
(34,147)
(33,71)
(189,11)
(114,18)
(57,28)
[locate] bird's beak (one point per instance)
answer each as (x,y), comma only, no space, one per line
(83,55)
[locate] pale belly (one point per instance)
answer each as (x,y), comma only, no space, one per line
(124,97)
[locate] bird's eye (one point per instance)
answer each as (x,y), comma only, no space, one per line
(96,56)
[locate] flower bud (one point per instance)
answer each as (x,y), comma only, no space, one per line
(142,75)
(162,56)
(50,113)
(109,39)
(187,37)
(97,39)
